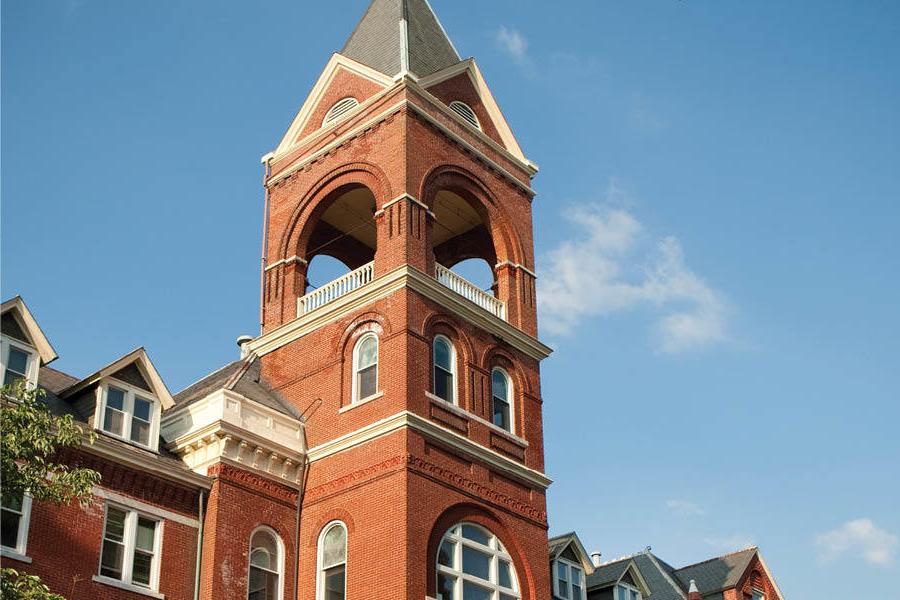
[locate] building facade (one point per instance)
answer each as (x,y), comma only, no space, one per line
(382,437)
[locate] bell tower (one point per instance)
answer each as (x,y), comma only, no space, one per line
(421,389)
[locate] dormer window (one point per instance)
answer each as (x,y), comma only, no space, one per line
(19,362)
(129,414)
(466,112)
(569,581)
(625,591)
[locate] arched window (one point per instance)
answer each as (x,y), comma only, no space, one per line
(332,582)
(266,566)
(365,367)
(340,108)
(444,359)
(501,399)
(472,563)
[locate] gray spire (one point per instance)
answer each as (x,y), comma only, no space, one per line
(398,35)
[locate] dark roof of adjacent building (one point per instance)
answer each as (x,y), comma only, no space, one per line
(718,573)
(608,574)
(378,41)
(243,377)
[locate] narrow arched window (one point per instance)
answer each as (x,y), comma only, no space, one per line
(501,399)
(444,359)
(266,565)
(472,563)
(332,583)
(365,367)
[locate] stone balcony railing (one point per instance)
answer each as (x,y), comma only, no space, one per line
(364,275)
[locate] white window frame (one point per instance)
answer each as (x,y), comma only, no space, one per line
(32,366)
(130,392)
(320,547)
(20,551)
(494,549)
(280,558)
(434,367)
(131,521)
(630,588)
(569,565)
(355,399)
(510,392)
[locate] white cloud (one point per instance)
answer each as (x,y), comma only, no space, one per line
(684,508)
(731,543)
(512,42)
(860,537)
(609,269)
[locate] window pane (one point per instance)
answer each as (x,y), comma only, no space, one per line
(334,546)
(443,384)
(471,532)
(445,587)
(499,385)
(334,583)
(9,528)
(475,592)
(111,559)
(576,592)
(367,384)
(13,503)
(142,409)
(115,524)
(446,553)
(368,352)
(263,585)
(115,398)
(260,558)
(140,432)
(141,567)
(476,563)
(113,421)
(18,361)
(505,574)
(635,595)
(146,531)
(442,354)
(11,377)
(563,588)
(501,414)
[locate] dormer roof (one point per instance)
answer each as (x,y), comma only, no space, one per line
(569,541)
(401,36)
(23,324)
(137,358)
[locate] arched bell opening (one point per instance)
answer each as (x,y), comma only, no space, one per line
(462,240)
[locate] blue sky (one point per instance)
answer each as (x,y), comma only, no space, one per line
(723,176)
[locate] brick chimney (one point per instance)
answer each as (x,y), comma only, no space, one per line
(693,592)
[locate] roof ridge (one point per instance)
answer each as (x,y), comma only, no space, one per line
(708,560)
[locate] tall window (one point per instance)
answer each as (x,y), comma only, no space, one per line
(365,367)
(472,564)
(130,551)
(128,415)
(569,581)
(265,566)
(501,399)
(15,512)
(444,369)
(333,562)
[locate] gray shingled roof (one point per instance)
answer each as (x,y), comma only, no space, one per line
(608,574)
(652,569)
(240,377)
(377,41)
(718,573)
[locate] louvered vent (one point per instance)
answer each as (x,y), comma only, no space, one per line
(341,108)
(466,112)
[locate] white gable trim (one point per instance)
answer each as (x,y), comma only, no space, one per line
(158,387)
(335,64)
(34,331)
(636,575)
(769,575)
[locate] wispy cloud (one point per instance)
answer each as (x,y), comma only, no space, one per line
(730,543)
(861,538)
(611,269)
(513,43)
(684,508)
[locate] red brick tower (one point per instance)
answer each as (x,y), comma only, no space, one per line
(426,443)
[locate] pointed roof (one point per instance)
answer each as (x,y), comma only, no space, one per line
(398,36)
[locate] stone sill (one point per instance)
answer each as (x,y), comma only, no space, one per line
(366,400)
(127,586)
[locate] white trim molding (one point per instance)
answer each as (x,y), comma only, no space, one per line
(31,327)
(143,507)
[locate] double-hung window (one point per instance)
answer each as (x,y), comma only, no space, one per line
(569,581)
(128,414)
(444,369)
(332,583)
(15,513)
(501,399)
(365,367)
(130,550)
(18,363)
(627,592)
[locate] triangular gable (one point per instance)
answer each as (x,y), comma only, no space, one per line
(765,568)
(570,543)
(139,361)
(632,576)
(26,324)
(335,64)
(470,67)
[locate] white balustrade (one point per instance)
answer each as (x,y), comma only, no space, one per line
(470,291)
(335,289)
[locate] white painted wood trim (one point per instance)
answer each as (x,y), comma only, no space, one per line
(143,507)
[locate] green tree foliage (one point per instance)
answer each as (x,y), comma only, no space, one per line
(30,436)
